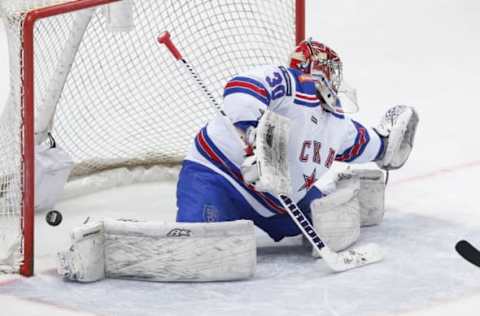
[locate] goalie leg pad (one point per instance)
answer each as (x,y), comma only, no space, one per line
(336,218)
(180,251)
(191,252)
(371,193)
(85,260)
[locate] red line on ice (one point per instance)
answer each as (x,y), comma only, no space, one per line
(9,281)
(436,173)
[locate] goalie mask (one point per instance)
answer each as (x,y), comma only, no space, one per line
(325,67)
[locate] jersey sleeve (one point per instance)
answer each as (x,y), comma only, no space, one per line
(245,98)
(360,145)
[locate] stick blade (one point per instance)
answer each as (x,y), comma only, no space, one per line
(352,258)
(468,252)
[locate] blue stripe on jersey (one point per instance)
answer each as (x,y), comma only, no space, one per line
(305,86)
(306,93)
(257,96)
(240,84)
(288,81)
(224,164)
(308,104)
(249,80)
(243,125)
(361,141)
(382,148)
(338,115)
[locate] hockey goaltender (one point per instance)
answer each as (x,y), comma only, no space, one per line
(231,181)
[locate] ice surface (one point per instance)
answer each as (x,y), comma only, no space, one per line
(420,53)
(420,268)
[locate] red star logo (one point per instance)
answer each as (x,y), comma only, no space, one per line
(309,181)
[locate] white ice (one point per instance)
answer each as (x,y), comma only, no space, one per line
(421,53)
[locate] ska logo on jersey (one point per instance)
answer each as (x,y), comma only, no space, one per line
(309,152)
(309,180)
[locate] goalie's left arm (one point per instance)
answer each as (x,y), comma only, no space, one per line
(361,144)
(389,144)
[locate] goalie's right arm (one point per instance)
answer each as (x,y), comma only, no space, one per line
(389,144)
(245,100)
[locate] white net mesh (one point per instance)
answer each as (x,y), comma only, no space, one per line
(125,101)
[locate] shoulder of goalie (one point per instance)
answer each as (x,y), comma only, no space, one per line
(397,128)
(156,251)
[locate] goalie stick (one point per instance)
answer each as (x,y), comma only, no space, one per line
(353,258)
(468,252)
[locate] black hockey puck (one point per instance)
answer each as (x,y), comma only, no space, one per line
(54,218)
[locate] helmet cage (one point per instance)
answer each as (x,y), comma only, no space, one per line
(329,98)
(325,60)
(325,68)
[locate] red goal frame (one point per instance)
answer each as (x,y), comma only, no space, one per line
(28,145)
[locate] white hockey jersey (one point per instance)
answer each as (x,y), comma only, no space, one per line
(317,137)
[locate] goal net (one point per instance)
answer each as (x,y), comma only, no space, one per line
(111,96)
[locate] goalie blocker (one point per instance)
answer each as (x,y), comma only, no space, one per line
(153,251)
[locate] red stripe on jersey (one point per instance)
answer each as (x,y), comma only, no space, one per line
(271,203)
(362,140)
(208,150)
(215,157)
(246,85)
(308,97)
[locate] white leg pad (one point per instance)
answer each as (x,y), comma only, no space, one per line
(336,217)
(371,194)
(192,252)
(85,260)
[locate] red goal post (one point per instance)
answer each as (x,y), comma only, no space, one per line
(28,90)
